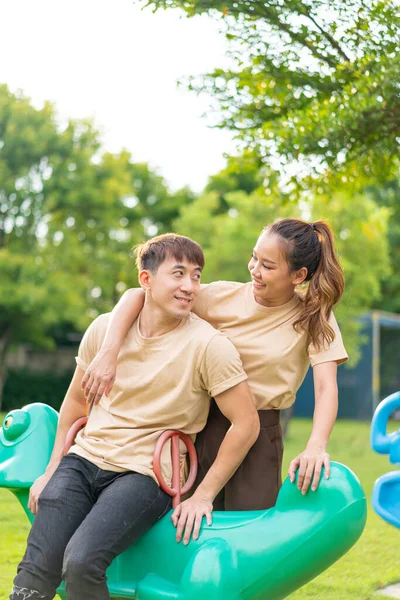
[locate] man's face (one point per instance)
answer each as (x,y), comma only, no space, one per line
(174,287)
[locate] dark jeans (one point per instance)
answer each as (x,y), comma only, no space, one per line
(86,517)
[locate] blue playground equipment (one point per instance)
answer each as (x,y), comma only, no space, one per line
(386,491)
(255,555)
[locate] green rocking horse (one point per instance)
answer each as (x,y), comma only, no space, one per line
(255,555)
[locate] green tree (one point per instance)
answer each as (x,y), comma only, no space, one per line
(242,173)
(354,186)
(361,234)
(388,195)
(34,292)
(69,216)
(312,92)
(133,204)
(314,83)
(360,228)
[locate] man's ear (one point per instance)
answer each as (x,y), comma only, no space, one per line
(145,279)
(299,276)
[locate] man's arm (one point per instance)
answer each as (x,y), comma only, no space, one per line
(238,407)
(100,375)
(73,407)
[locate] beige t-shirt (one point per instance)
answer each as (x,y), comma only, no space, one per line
(275,356)
(162,383)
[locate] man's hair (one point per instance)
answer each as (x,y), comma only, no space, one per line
(151,254)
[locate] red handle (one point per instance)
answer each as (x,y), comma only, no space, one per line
(175,491)
(73,430)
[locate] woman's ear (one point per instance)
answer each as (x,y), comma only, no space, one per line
(299,276)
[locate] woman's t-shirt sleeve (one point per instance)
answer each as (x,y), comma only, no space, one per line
(334,352)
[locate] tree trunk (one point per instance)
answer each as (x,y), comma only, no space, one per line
(5,341)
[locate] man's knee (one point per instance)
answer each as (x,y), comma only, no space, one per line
(74,567)
(80,566)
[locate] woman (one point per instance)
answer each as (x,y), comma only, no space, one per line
(278,333)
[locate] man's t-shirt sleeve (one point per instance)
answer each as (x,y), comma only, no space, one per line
(221,367)
(90,345)
(335,352)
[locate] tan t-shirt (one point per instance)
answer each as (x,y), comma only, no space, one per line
(275,357)
(162,383)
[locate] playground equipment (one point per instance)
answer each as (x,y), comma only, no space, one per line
(386,490)
(257,555)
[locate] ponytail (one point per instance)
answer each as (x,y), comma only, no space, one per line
(311,245)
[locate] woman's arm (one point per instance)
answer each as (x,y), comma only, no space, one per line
(100,375)
(311,460)
(201,302)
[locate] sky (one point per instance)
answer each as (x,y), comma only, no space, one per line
(116,63)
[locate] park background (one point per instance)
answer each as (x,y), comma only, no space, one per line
(304,100)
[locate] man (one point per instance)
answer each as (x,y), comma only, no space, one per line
(99,499)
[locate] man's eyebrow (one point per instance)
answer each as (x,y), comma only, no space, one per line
(268,260)
(184,267)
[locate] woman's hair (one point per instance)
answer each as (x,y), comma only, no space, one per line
(311,245)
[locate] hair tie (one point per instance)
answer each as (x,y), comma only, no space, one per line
(312,226)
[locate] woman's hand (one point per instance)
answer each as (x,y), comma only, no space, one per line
(190,513)
(310,463)
(100,376)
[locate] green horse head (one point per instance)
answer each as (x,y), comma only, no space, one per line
(26,441)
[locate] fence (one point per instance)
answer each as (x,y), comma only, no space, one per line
(376,375)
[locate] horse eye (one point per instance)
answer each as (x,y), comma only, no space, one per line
(8,422)
(15,424)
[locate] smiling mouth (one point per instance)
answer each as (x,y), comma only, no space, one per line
(258,284)
(184,301)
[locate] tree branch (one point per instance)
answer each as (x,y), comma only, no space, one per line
(272,17)
(327,36)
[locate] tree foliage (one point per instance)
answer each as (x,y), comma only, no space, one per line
(228,238)
(69,216)
(312,93)
(311,82)
(361,236)
(388,195)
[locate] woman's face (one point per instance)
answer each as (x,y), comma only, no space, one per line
(272,282)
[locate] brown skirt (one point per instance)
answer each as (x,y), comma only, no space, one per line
(256,483)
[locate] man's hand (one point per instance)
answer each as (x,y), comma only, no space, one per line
(99,377)
(35,491)
(310,463)
(190,513)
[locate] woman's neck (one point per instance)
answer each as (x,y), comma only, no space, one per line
(272,302)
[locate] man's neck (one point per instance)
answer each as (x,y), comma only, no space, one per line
(154,322)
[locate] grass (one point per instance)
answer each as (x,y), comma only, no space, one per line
(371,564)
